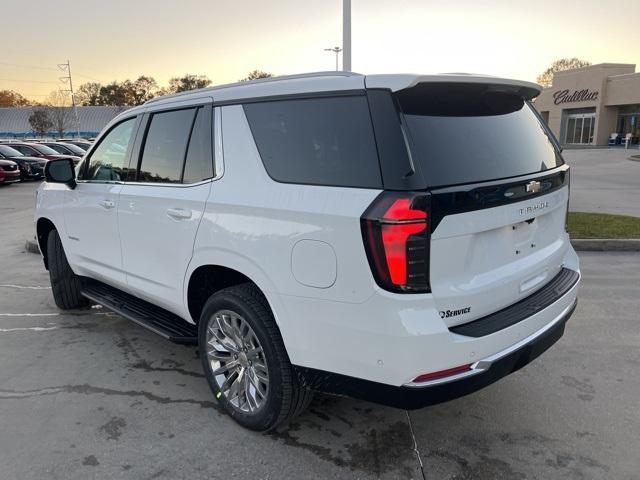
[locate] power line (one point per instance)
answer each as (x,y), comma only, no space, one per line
(26,66)
(26,81)
(88,77)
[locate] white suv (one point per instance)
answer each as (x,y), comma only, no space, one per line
(396,238)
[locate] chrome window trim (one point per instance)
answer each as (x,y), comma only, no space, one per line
(218,150)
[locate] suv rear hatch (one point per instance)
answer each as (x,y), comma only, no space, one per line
(497,193)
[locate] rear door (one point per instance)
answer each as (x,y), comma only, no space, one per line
(499,193)
(161,207)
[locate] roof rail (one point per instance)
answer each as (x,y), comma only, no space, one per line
(259,80)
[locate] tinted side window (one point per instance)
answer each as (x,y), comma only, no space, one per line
(25,150)
(199,165)
(107,162)
(165,146)
(320,141)
(58,149)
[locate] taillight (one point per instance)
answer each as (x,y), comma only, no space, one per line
(395,229)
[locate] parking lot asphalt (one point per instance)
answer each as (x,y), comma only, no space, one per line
(604,180)
(88,394)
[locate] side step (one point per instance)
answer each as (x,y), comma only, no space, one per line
(145,314)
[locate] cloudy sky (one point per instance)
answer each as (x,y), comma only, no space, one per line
(118,39)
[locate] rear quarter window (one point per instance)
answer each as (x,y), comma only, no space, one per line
(320,141)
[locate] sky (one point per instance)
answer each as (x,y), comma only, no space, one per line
(109,40)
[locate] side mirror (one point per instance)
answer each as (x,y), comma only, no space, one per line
(61,171)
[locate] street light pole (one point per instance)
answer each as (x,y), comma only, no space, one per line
(337,51)
(346,35)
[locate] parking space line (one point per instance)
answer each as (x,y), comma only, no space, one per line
(33,329)
(29,314)
(25,287)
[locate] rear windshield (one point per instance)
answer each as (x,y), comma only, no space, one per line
(473,133)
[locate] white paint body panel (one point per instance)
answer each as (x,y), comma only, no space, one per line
(154,219)
(489,259)
(92,238)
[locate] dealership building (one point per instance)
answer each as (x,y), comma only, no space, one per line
(594,105)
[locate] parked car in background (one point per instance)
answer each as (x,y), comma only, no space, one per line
(84,144)
(64,148)
(9,172)
(41,151)
(31,168)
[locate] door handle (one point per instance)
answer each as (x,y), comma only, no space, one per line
(107,204)
(178,213)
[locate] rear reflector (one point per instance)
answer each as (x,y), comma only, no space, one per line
(395,230)
(426,377)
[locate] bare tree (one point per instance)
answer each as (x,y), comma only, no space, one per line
(546,78)
(60,112)
(40,121)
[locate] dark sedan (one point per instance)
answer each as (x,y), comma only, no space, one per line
(31,168)
(64,148)
(83,144)
(40,151)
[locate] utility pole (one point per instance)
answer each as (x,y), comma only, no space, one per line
(337,51)
(346,35)
(66,67)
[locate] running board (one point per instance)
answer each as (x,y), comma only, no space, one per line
(145,314)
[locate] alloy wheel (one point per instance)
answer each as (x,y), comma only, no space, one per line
(237,361)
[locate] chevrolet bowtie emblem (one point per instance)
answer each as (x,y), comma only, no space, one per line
(533,187)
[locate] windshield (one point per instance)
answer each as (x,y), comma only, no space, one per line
(473,133)
(45,150)
(10,152)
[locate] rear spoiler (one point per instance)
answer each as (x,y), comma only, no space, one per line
(395,83)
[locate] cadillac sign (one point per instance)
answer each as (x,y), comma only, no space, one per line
(565,96)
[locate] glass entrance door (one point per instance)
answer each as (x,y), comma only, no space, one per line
(580,129)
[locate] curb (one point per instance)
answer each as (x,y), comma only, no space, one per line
(606,244)
(32,246)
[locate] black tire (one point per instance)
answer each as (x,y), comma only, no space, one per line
(65,284)
(285,397)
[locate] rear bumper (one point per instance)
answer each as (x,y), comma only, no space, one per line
(483,373)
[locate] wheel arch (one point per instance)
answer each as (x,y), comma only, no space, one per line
(43,227)
(213,273)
